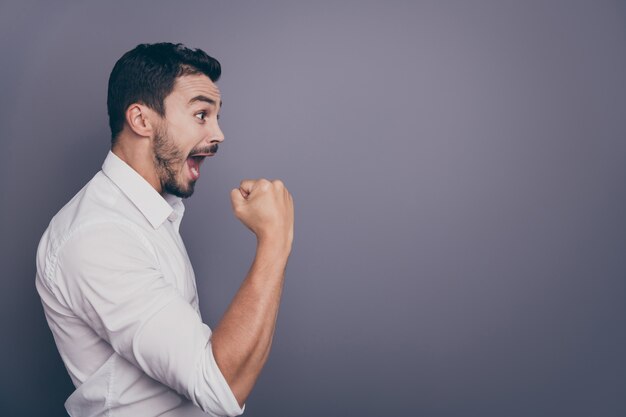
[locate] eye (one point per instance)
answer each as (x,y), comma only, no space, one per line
(201,115)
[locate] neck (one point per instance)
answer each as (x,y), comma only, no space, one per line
(138,155)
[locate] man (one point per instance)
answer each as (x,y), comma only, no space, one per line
(113,275)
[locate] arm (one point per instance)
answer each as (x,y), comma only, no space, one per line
(242,339)
(108,275)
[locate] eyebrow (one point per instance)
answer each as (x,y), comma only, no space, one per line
(204,98)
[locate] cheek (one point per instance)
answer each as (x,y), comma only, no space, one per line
(184,139)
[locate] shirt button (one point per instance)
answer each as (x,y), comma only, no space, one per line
(172,216)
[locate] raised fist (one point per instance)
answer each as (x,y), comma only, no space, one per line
(266,208)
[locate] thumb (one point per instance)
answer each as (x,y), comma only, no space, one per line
(246,187)
(236,197)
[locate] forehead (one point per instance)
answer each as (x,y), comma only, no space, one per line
(188,88)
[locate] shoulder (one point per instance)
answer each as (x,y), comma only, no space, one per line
(99,207)
(98,222)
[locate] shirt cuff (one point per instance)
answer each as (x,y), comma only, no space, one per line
(222,389)
(210,391)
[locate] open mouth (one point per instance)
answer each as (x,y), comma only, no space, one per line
(194,162)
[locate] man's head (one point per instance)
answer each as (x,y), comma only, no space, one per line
(163,105)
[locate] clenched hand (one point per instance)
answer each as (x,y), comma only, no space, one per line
(266,208)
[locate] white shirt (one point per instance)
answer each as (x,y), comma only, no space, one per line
(119,295)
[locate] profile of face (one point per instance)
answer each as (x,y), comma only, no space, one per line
(187,134)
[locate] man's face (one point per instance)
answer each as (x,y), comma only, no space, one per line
(188,133)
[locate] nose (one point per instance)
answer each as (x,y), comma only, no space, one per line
(217,136)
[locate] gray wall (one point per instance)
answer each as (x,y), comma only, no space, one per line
(458,172)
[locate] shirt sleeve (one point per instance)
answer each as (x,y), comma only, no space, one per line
(113,282)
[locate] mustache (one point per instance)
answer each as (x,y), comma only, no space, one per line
(211,149)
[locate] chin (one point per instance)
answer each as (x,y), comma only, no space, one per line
(179,191)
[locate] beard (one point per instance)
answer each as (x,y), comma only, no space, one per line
(169,162)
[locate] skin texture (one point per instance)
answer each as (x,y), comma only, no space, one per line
(158,148)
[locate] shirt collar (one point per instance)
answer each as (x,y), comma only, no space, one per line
(152,205)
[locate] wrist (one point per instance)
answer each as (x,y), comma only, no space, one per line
(274,246)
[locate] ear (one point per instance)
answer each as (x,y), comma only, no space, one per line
(141,119)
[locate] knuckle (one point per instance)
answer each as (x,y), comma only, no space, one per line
(264,184)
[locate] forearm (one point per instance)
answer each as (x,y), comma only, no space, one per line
(242,339)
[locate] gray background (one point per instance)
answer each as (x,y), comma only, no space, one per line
(458,173)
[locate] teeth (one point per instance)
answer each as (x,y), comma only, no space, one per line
(194,171)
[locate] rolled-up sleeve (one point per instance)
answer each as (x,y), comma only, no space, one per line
(111,279)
